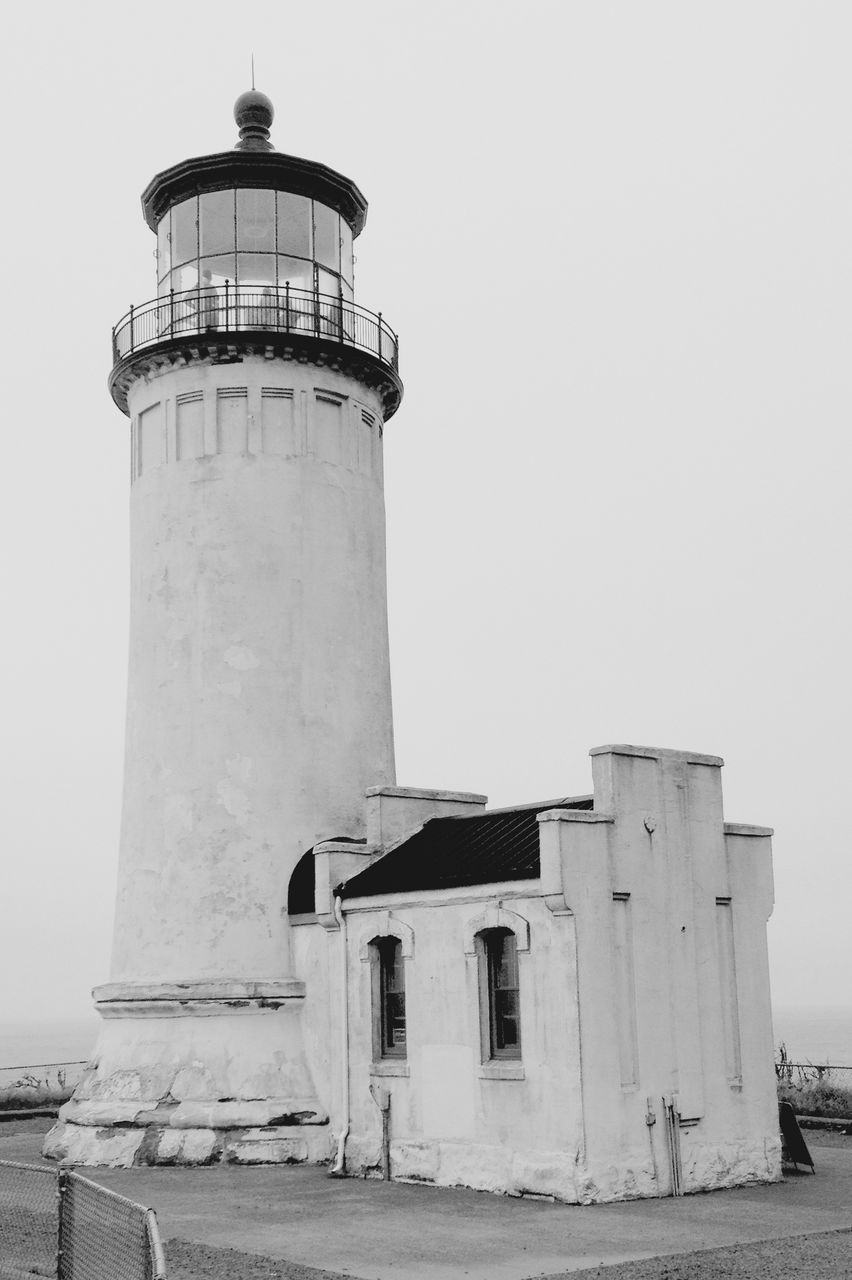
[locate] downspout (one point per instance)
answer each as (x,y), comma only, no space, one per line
(338,1169)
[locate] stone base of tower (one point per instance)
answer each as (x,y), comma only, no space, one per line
(195,1073)
(121,1147)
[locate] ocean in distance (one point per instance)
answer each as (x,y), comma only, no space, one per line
(810,1035)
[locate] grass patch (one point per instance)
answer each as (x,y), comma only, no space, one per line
(813,1090)
(31,1091)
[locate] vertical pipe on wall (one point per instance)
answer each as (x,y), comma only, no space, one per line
(337,1170)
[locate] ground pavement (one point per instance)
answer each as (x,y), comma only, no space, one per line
(395,1231)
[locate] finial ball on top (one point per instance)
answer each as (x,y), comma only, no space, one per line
(253,108)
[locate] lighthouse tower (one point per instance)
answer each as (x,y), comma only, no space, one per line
(259,706)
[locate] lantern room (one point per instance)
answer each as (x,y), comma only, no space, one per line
(255,242)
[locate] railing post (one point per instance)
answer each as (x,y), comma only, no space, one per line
(316,307)
(380,335)
(61,1193)
(131,326)
(287,306)
(227,300)
(171,311)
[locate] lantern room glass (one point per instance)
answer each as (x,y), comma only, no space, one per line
(254,236)
(216,223)
(256,221)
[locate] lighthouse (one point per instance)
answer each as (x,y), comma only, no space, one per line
(256,391)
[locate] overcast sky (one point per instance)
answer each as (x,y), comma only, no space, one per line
(615,241)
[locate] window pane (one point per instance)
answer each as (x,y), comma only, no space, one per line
(217,222)
(392,989)
(185,277)
(327,236)
(294,225)
(256,268)
(503,996)
(256,221)
(506,962)
(164,246)
(215,271)
(346,250)
(327,283)
(297,271)
(184,231)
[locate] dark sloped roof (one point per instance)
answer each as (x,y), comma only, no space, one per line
(450,852)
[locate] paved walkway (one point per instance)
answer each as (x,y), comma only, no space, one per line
(395,1231)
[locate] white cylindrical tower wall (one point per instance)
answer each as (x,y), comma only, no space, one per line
(259,687)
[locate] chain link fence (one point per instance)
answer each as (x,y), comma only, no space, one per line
(62,1225)
(29,1212)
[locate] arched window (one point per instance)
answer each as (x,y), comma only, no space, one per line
(500,1010)
(388,985)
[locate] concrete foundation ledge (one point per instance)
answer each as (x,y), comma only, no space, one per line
(75,1144)
(219,990)
(193,1113)
(564,1175)
(552,1174)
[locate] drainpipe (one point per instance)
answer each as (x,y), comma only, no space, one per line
(338,1169)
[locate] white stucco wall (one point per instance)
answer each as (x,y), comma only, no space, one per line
(258,714)
(645,982)
(259,687)
(454,1119)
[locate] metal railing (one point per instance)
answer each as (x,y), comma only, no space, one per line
(62,1225)
(251,308)
(803,1073)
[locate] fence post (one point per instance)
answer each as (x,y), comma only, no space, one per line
(171,311)
(61,1193)
(227,301)
(380,335)
(155,1246)
(131,326)
(286,306)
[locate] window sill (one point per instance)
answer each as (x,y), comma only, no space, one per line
(501,1071)
(390,1067)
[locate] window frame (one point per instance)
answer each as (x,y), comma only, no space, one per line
(492,1050)
(380,949)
